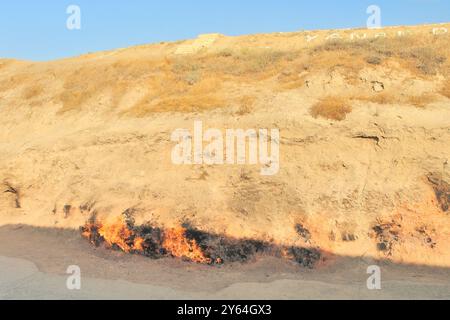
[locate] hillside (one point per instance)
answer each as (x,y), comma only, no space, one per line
(364,122)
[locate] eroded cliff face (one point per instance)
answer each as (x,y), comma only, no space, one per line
(363,149)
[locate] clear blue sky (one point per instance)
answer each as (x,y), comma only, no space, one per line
(36,30)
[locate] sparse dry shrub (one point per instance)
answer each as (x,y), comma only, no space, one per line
(350,63)
(374,60)
(180,97)
(428,60)
(259,61)
(185,65)
(193,83)
(192,78)
(246,64)
(228,52)
(332,45)
(423,57)
(332,108)
(114,79)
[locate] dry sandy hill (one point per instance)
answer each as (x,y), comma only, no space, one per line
(364,120)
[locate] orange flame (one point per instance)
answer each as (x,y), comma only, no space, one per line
(138,244)
(117,233)
(179,246)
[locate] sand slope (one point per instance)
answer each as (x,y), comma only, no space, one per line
(92,134)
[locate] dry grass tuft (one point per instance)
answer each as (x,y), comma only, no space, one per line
(427,60)
(256,61)
(374,60)
(332,108)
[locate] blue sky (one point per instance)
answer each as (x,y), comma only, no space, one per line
(36,30)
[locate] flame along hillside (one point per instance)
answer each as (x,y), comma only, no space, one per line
(364,121)
(120,235)
(187,243)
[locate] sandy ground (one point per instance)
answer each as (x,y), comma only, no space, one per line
(34,261)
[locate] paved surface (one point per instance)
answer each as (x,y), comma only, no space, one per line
(21,279)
